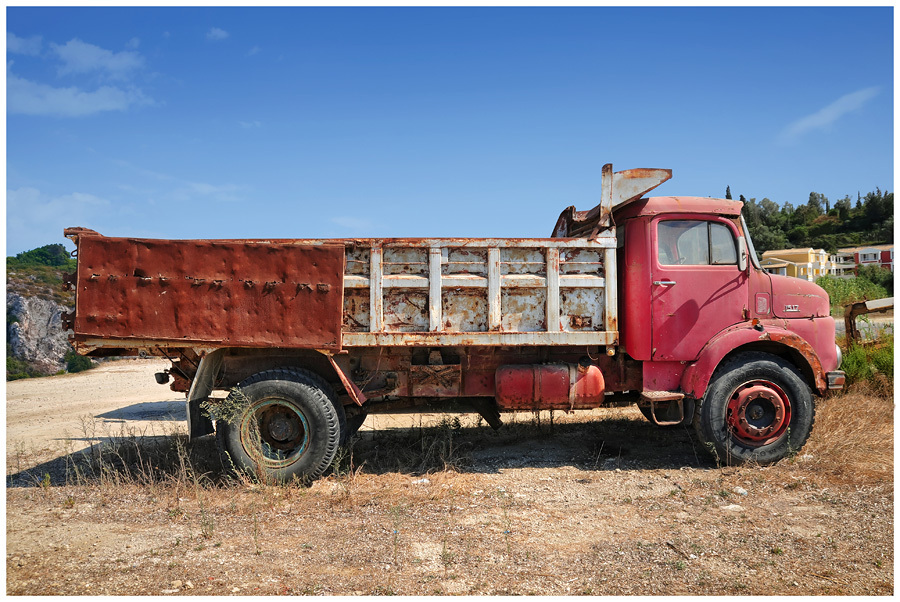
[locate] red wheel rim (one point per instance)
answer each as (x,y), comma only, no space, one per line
(759,412)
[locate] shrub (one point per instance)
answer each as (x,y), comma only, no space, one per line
(844,291)
(16,369)
(77,363)
(872,363)
(875,274)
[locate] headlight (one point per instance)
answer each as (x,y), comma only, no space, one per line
(840,357)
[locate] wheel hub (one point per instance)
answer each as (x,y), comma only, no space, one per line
(759,412)
(281,428)
(281,431)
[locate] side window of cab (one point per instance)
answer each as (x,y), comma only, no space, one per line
(694,242)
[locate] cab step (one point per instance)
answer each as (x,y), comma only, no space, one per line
(652,398)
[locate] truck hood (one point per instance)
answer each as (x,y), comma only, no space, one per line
(796,298)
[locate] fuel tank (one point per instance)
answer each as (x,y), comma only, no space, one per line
(549,387)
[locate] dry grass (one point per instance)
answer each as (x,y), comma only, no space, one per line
(853,437)
(572,505)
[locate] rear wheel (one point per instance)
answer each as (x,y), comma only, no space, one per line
(285,424)
(757,408)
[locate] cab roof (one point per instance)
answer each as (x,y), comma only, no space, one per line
(677,204)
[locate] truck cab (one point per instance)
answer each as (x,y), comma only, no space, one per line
(697,310)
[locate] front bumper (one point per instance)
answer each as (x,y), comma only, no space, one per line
(836,379)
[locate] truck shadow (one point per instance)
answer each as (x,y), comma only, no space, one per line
(148,410)
(605,445)
(597,445)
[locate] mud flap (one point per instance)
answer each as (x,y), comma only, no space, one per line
(198,424)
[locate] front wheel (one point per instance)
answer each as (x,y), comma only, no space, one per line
(283,424)
(756,409)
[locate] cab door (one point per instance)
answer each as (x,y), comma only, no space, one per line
(696,287)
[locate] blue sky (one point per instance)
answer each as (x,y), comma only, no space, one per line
(346,122)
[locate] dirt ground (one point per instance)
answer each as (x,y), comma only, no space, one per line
(597,503)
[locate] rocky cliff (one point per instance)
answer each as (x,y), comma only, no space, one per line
(34,332)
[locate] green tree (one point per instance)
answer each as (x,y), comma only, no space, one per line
(766,238)
(824,224)
(52,255)
(843,208)
(816,203)
(804,215)
(799,236)
(728,192)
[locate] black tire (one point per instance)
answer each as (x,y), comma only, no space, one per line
(757,409)
(288,425)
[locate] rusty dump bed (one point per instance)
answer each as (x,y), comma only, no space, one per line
(136,295)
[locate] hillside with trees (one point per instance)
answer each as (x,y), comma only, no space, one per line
(820,224)
(39,272)
(35,301)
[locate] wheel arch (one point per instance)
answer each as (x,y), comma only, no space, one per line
(745,338)
(224,368)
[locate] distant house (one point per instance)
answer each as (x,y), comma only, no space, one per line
(807,263)
(881,255)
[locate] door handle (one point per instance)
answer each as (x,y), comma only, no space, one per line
(664,282)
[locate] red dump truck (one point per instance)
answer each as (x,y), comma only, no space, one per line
(659,302)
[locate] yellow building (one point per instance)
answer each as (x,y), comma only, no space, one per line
(806,263)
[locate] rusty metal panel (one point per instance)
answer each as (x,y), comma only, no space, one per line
(357,260)
(465,261)
(464,310)
(356,310)
(582,309)
(466,339)
(523,310)
(405,310)
(477,292)
(616,190)
(434,381)
(233,293)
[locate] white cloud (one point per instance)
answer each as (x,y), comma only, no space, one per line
(25,97)
(133,43)
(249,124)
(184,190)
(254,50)
(827,116)
(206,189)
(144,172)
(81,57)
(193,191)
(35,219)
(30,46)
(216,34)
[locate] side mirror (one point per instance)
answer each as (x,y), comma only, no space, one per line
(743,253)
